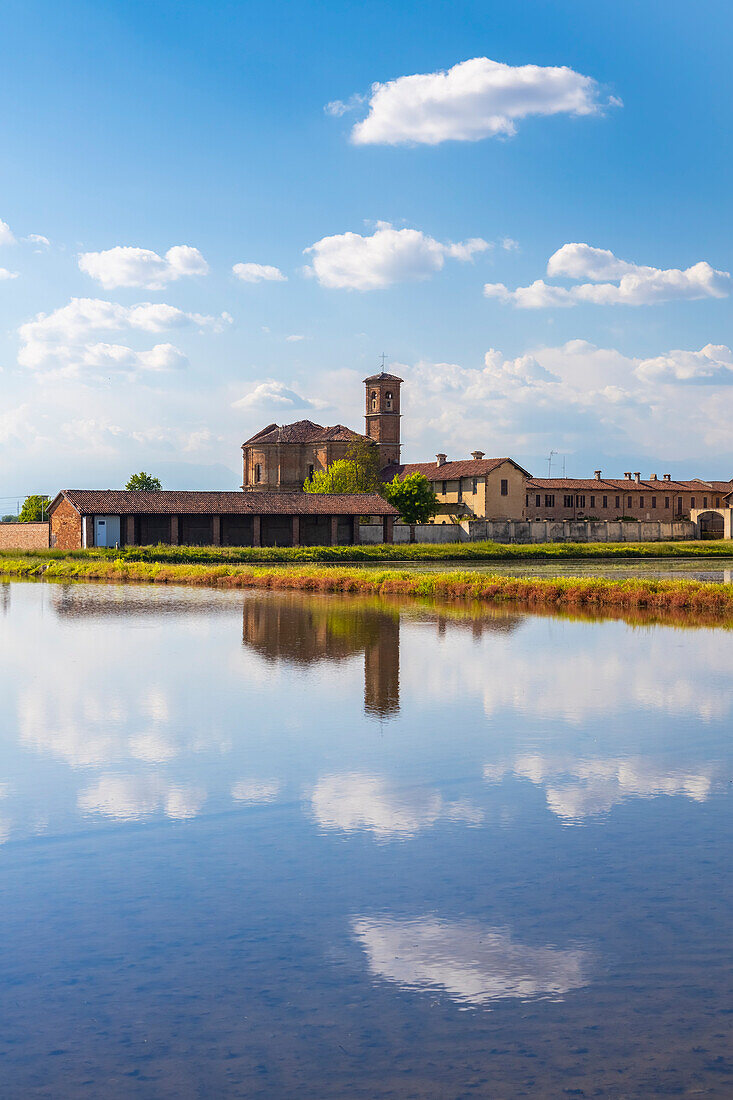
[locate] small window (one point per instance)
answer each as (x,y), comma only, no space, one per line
(666,502)
(592,502)
(618,502)
(654,502)
(679,506)
(526,501)
(704,502)
(475,485)
(549,500)
(582,500)
(504,487)
(629,502)
(445,487)
(537,500)
(717,502)
(692,502)
(310,470)
(641,502)
(374,400)
(388,400)
(460,489)
(567,501)
(605,502)
(258,473)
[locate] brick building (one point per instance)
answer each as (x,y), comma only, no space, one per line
(82,518)
(629,497)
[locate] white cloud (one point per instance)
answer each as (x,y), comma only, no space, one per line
(270,393)
(60,341)
(295,338)
(711,365)
(5,274)
(139,267)
(475,99)
(509,244)
(39,239)
(258,273)
(471,962)
(387,256)
(633,284)
(6,233)
(567,397)
(337,107)
(356,803)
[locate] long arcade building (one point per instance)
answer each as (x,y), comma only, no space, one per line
(83,518)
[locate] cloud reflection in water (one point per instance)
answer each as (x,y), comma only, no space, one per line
(471,962)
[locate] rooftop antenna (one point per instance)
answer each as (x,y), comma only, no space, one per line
(549,462)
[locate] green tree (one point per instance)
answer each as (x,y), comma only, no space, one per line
(34,509)
(10,518)
(413,498)
(365,456)
(144,483)
(342,476)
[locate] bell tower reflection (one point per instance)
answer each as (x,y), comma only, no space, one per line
(300,631)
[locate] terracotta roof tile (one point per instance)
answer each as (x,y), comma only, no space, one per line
(382,376)
(165,502)
(470,467)
(623,485)
(303,431)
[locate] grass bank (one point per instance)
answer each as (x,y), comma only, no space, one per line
(593,594)
(404,552)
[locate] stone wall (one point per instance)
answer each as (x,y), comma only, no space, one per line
(526,531)
(24,536)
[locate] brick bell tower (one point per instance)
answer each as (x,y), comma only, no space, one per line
(382,414)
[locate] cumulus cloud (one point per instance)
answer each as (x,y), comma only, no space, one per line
(471,962)
(711,365)
(38,239)
(475,99)
(258,273)
(628,283)
(569,396)
(355,802)
(139,267)
(5,274)
(61,341)
(388,256)
(275,394)
(6,234)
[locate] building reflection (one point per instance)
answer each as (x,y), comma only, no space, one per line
(304,630)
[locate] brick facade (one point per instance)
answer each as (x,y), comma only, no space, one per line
(24,536)
(65,527)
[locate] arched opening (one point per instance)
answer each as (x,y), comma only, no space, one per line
(374,400)
(388,400)
(258,473)
(710,525)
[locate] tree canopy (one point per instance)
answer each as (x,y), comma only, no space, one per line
(413,498)
(342,476)
(144,483)
(34,508)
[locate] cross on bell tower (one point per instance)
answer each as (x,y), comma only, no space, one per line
(382,413)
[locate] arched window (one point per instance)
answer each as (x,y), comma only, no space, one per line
(388,400)
(258,473)
(374,400)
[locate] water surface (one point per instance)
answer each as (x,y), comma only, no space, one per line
(274,845)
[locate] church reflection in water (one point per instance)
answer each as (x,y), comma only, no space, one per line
(300,631)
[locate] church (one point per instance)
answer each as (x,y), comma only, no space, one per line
(280,458)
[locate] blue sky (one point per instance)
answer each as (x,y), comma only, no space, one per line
(129,129)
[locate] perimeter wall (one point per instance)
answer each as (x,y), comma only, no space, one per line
(525,531)
(24,536)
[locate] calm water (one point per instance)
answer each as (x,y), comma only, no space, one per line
(283,846)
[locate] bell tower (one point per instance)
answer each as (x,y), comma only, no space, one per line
(382,414)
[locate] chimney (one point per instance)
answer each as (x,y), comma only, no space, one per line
(627,475)
(597,475)
(477,455)
(654,478)
(637,475)
(667,477)
(441,459)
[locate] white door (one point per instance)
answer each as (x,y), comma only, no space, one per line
(106,530)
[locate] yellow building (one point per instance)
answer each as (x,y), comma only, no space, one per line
(474,488)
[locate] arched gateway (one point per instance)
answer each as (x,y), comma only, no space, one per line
(713,523)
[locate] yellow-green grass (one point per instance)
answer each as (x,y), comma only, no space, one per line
(712,602)
(402,552)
